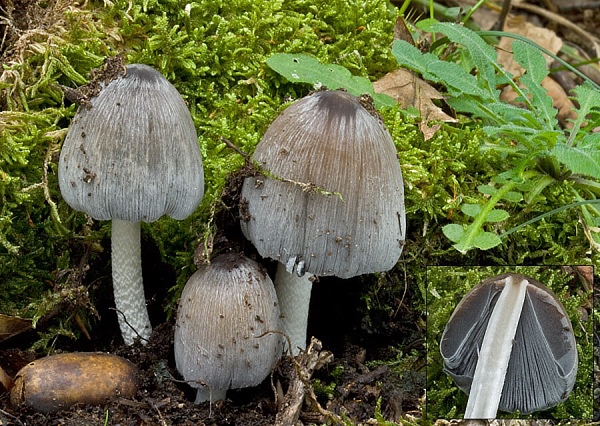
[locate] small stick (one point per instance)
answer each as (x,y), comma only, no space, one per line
(236,149)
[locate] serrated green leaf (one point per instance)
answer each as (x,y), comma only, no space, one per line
(453,232)
(541,102)
(453,75)
(410,57)
(497,215)
(301,68)
(471,209)
(483,55)
(589,100)
(466,105)
(531,59)
(583,159)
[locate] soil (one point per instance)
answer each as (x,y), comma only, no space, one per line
(364,343)
(164,399)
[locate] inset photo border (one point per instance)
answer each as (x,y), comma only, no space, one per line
(446,287)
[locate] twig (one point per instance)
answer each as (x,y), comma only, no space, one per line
(238,150)
(562,21)
(304,366)
(10,416)
(127,322)
(154,405)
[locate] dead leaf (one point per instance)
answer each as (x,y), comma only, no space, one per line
(401,31)
(542,36)
(11,326)
(6,382)
(407,90)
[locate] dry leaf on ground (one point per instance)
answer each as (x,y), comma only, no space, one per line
(518,25)
(407,89)
(11,326)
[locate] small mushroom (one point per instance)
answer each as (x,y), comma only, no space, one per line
(331,201)
(226,335)
(509,345)
(132,156)
(59,381)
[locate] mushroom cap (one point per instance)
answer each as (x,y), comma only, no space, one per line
(224,310)
(331,142)
(134,154)
(543,362)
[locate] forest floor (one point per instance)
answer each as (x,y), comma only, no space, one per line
(362,384)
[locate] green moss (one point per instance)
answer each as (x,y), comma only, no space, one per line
(215,56)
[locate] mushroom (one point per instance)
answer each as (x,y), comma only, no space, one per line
(132,156)
(330,200)
(509,345)
(227,331)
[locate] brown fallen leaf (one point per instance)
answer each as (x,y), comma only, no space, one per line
(6,382)
(11,326)
(401,31)
(517,24)
(407,90)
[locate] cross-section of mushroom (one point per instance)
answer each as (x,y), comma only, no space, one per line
(509,344)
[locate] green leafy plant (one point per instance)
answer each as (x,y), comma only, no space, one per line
(538,154)
(538,151)
(306,69)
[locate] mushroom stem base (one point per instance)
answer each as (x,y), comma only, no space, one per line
(128,285)
(293,294)
(211,395)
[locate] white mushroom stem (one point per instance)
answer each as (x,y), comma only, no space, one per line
(293,294)
(205,394)
(128,286)
(494,355)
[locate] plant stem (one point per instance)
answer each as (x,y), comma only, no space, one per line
(495,351)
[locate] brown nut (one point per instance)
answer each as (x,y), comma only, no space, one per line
(59,381)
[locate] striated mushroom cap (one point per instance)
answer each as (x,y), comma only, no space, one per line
(221,339)
(134,154)
(543,362)
(334,201)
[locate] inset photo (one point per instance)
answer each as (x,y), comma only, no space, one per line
(510,342)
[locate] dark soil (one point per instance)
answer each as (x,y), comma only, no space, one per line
(164,399)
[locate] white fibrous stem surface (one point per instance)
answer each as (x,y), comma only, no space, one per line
(293,294)
(128,285)
(494,355)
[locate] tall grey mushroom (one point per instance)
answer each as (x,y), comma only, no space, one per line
(132,155)
(509,344)
(227,323)
(331,201)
